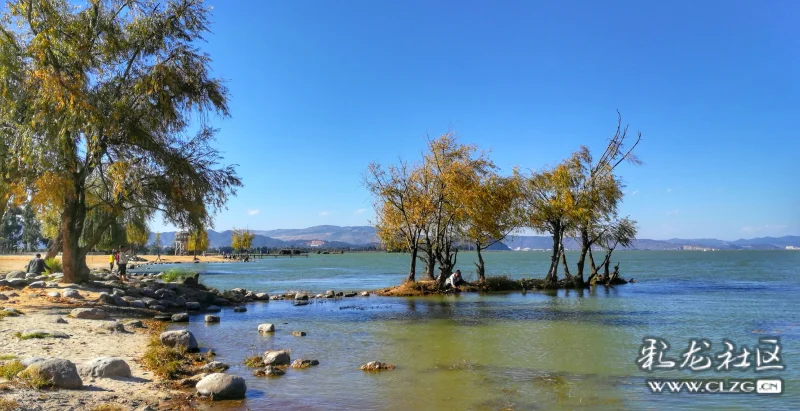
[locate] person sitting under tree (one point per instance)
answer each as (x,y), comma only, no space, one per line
(454,280)
(37,265)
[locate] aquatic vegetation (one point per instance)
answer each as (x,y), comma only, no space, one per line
(253,361)
(177,274)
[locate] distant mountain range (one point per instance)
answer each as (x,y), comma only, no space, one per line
(331,236)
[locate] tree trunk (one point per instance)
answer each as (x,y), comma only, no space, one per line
(412,271)
(73,258)
(563,256)
(481,265)
(591,261)
(55,246)
(552,275)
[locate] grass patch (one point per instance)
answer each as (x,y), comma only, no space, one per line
(410,289)
(22,336)
(253,361)
(177,274)
(501,283)
(169,363)
(108,407)
(32,379)
(55,265)
(4,314)
(6,357)
(10,370)
(8,405)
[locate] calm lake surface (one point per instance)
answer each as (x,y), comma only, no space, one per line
(565,350)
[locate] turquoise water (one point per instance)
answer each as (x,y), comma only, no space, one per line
(565,350)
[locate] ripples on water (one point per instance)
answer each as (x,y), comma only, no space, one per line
(560,350)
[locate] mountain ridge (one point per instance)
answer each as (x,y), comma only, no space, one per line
(334,236)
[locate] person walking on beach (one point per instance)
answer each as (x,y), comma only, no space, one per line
(37,265)
(122,262)
(111,260)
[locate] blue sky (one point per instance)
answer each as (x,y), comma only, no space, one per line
(319,89)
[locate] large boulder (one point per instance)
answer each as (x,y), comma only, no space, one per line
(15,274)
(193,305)
(71,293)
(277,357)
(105,367)
(301,297)
(213,309)
(137,304)
(261,297)
(37,284)
(18,282)
(239,309)
(220,386)
(212,318)
(89,314)
(177,338)
(61,373)
(180,318)
(266,328)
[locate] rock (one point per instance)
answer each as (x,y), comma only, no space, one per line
(128,299)
(277,357)
(212,318)
(269,371)
(106,298)
(13,312)
(193,380)
(304,363)
(299,333)
(133,292)
(44,333)
(301,297)
(135,324)
(30,276)
(15,274)
(3,297)
(266,328)
(149,293)
(213,309)
(112,326)
(71,293)
(18,282)
(299,303)
(146,408)
(330,296)
(261,297)
(159,307)
(89,314)
(105,367)
(62,373)
(54,294)
(162,317)
(222,387)
(37,284)
(27,362)
(330,292)
(193,305)
(138,304)
(239,309)
(164,293)
(180,301)
(179,338)
(120,301)
(364,294)
(376,366)
(60,320)
(180,318)
(214,366)
(221,301)
(149,301)
(117,292)
(350,294)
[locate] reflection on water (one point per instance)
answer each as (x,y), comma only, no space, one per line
(567,350)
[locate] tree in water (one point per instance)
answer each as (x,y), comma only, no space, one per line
(98,101)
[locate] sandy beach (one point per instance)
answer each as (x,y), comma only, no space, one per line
(88,339)
(19,261)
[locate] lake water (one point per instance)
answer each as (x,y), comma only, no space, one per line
(565,350)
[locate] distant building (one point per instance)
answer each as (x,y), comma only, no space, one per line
(316,243)
(791,247)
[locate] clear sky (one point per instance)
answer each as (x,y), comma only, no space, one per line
(319,89)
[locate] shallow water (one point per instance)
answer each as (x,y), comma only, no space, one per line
(566,350)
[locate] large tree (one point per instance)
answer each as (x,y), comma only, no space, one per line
(98,102)
(198,241)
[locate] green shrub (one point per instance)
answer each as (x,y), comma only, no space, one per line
(177,274)
(501,283)
(55,265)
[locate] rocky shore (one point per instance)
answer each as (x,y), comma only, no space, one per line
(84,347)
